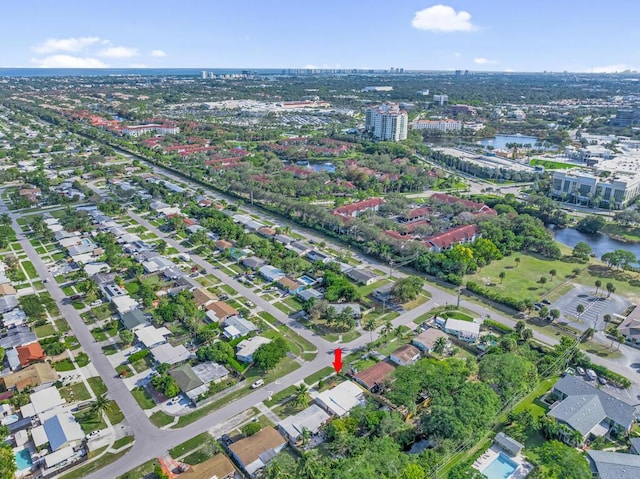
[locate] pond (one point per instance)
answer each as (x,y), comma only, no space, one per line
(600,243)
(500,142)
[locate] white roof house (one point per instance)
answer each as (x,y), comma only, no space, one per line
(46,400)
(124,303)
(39,436)
(151,336)
(341,399)
(311,419)
(246,348)
(58,457)
(464,330)
(166,353)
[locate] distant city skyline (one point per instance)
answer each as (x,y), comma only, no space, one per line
(492,35)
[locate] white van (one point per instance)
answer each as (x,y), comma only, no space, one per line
(184,257)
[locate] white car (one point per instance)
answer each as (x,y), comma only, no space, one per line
(257,384)
(93,434)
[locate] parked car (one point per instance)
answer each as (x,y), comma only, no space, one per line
(546,301)
(602,380)
(257,384)
(591,374)
(580,371)
(93,434)
(250,304)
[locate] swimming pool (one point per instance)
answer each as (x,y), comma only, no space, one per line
(306,280)
(23,459)
(501,468)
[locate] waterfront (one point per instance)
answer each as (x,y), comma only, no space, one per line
(600,243)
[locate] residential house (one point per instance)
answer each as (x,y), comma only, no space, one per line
(166,353)
(374,377)
(270,273)
(354,209)
(8,302)
(247,347)
(7,289)
(341,399)
(458,235)
(290,285)
(194,381)
(222,310)
(340,307)
(426,340)
(133,319)
(613,465)
(630,328)
(62,430)
(311,419)
(202,297)
(300,248)
(362,276)
(151,336)
(14,318)
(254,452)
(36,375)
(308,294)
(217,467)
(464,330)
(223,244)
(508,444)
(589,410)
(30,353)
(405,355)
(111,290)
(43,401)
(283,239)
(253,262)
(315,255)
(156,264)
(124,303)
(267,232)
(237,327)
(16,337)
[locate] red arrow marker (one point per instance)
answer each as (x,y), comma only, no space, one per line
(337,363)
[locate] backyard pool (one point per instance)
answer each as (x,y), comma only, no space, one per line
(23,459)
(501,468)
(306,280)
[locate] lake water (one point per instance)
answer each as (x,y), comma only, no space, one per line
(319,167)
(600,243)
(500,142)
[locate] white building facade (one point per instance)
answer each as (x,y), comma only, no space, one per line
(387,122)
(618,189)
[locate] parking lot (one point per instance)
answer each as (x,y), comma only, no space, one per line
(595,307)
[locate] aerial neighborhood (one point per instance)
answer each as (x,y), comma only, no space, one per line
(319,274)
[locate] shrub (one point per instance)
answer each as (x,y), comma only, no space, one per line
(137,356)
(250,429)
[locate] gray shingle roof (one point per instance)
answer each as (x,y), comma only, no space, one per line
(613,408)
(582,413)
(615,465)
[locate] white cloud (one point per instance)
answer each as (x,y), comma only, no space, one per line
(158,53)
(68,61)
(484,61)
(73,44)
(456,54)
(442,18)
(620,67)
(119,52)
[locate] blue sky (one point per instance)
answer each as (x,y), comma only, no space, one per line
(500,35)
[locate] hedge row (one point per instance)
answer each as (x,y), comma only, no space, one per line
(496,325)
(496,296)
(137,356)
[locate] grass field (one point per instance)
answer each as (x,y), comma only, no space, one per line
(522,281)
(143,470)
(88,468)
(315,377)
(630,233)
(552,165)
(160,419)
(114,413)
(98,386)
(189,445)
(75,392)
(143,398)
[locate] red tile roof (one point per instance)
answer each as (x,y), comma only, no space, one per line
(348,210)
(376,374)
(478,207)
(418,212)
(453,236)
(30,353)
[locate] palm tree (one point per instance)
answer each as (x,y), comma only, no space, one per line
(621,340)
(309,467)
(520,325)
(370,325)
(580,310)
(555,314)
(526,334)
(598,285)
(5,219)
(517,260)
(502,275)
(387,328)
(99,404)
(306,435)
(611,288)
(440,345)
(607,318)
(553,273)
(302,395)
(588,334)
(615,334)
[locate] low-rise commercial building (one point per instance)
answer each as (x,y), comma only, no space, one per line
(617,189)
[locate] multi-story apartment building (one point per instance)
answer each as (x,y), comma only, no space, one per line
(139,130)
(440,125)
(617,189)
(387,122)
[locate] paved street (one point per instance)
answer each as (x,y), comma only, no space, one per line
(152,442)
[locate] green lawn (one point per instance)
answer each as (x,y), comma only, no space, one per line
(189,445)
(90,421)
(143,470)
(64,365)
(552,165)
(367,290)
(281,396)
(114,413)
(45,330)
(30,269)
(522,281)
(75,392)
(90,467)
(315,377)
(98,386)
(160,419)
(123,441)
(143,398)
